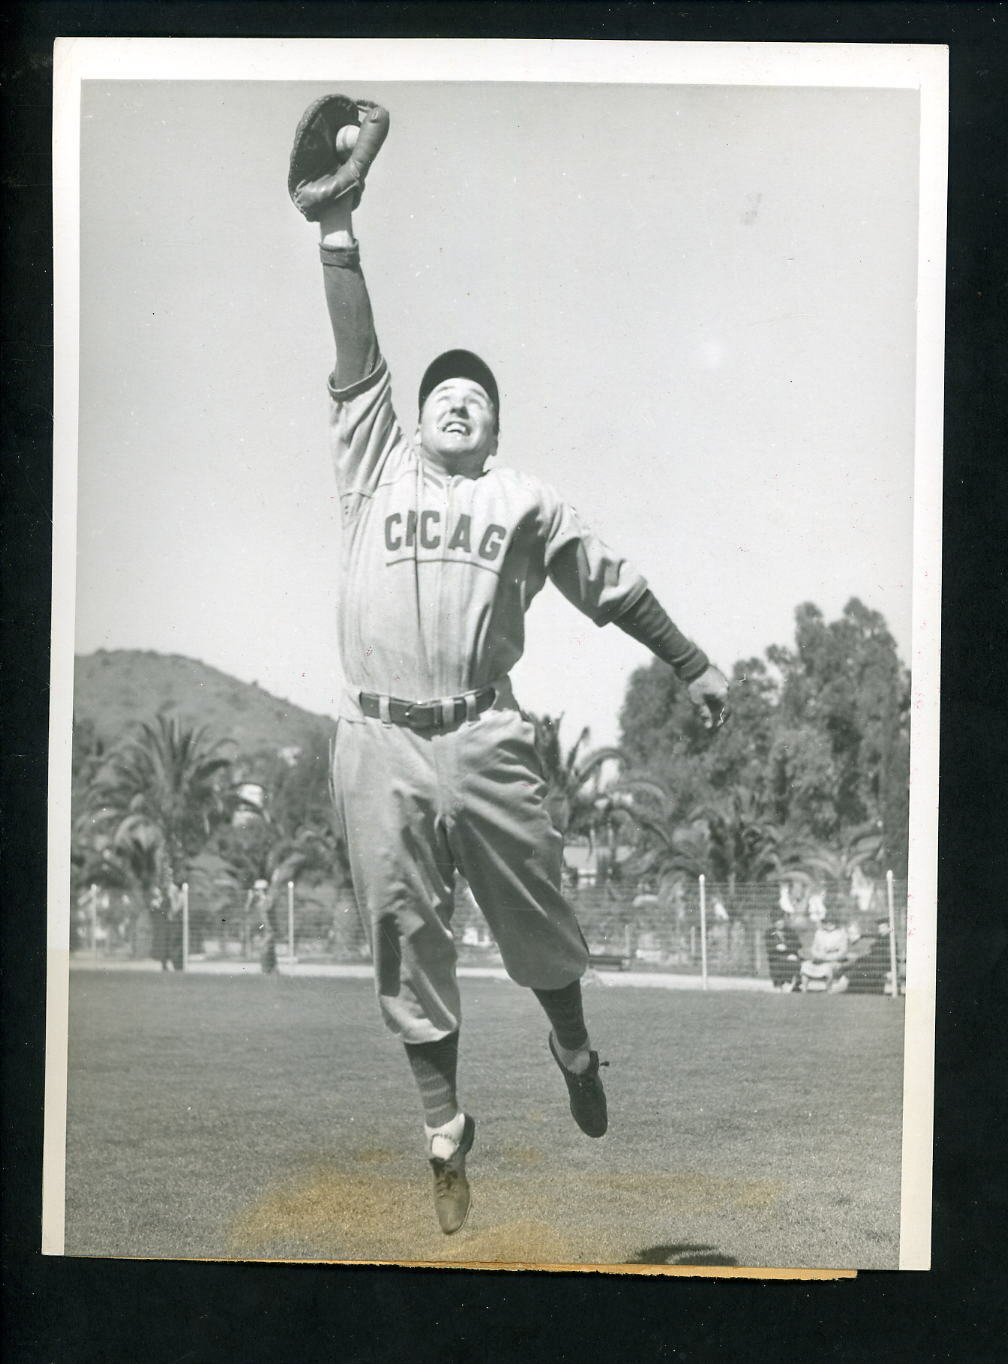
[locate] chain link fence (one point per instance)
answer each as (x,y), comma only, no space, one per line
(306,923)
(720,929)
(733,931)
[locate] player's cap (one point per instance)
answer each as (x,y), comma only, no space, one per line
(459,364)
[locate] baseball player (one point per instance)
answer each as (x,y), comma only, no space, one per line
(435,770)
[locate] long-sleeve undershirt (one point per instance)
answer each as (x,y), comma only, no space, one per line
(357,353)
(646,621)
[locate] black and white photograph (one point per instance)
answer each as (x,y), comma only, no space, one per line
(495,654)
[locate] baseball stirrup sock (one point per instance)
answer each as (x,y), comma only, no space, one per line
(434,1066)
(564,1011)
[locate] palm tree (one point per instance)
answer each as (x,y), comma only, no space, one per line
(835,866)
(583,801)
(745,845)
(726,839)
(268,853)
(668,852)
(572,781)
(158,796)
(279,830)
(575,782)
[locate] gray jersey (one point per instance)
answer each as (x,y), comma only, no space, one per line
(439,570)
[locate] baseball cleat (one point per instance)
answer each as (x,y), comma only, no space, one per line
(451,1188)
(587,1097)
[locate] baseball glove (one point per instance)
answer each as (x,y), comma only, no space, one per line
(319,170)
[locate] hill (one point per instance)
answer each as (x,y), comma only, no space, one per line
(115,689)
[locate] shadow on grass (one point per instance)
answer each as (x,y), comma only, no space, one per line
(681,1255)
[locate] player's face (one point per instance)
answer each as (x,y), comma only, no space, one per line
(457,424)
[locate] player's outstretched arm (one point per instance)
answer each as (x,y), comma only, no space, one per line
(347,298)
(606,588)
(334,146)
(706,686)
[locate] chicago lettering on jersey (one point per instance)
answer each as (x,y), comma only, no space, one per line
(405,532)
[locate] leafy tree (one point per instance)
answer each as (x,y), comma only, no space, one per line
(802,781)
(817,749)
(739,755)
(663,737)
(657,726)
(845,679)
(894,796)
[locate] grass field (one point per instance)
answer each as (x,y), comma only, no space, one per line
(257,1117)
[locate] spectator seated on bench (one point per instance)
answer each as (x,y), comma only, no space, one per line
(783,948)
(824,968)
(871,973)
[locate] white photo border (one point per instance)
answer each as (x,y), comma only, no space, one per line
(923,68)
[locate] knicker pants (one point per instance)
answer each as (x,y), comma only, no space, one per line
(416,807)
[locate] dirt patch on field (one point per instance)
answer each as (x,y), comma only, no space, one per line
(380,1213)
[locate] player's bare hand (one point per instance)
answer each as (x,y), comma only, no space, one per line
(709,693)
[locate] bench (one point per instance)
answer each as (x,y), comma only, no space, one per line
(616,960)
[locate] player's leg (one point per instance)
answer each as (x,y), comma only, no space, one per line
(403,881)
(506,846)
(449,1131)
(402,875)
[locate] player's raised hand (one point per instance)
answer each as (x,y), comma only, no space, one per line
(709,693)
(334,146)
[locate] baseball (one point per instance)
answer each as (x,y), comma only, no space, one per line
(346,139)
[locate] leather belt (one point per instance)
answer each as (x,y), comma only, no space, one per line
(424,715)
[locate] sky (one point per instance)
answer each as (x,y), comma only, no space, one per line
(699,303)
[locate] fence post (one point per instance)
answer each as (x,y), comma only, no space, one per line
(185,925)
(703,929)
(94,921)
(290,920)
(892,934)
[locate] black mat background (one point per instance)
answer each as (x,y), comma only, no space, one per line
(66,1311)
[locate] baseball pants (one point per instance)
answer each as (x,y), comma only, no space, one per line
(416,807)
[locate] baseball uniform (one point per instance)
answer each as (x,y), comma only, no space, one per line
(435,770)
(438,572)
